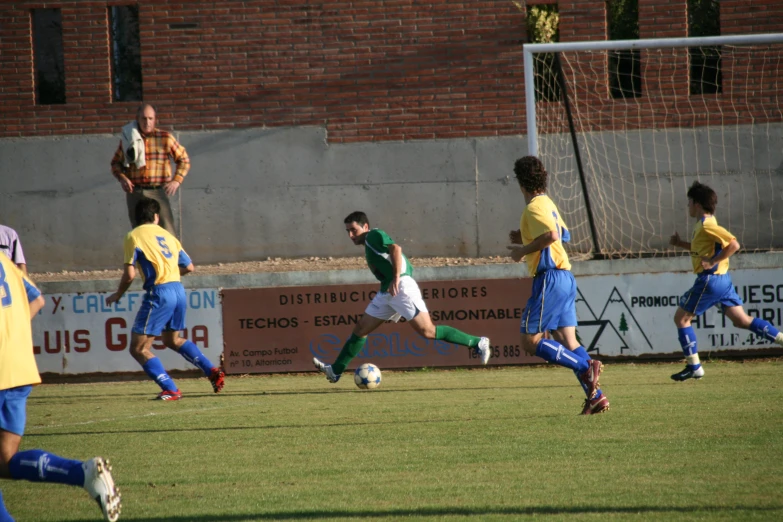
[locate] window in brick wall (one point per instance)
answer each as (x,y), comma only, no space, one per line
(543,26)
(705,62)
(125,52)
(625,66)
(48,56)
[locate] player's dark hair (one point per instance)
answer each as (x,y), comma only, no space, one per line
(146,209)
(531,174)
(704,196)
(357,217)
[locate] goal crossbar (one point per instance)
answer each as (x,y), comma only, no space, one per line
(528,50)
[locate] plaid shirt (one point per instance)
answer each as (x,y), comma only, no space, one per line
(159,148)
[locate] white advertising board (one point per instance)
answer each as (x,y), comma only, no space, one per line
(633,314)
(78,333)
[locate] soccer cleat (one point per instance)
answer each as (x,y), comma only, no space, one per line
(484,350)
(100,485)
(596,406)
(326,369)
(689,373)
(167,395)
(589,377)
(217,378)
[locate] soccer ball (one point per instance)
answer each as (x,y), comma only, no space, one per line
(367,376)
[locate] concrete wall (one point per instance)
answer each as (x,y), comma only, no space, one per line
(284,192)
(257,193)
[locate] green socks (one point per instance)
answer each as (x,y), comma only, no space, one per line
(351,348)
(452,335)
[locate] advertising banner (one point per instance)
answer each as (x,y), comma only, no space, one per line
(633,314)
(78,333)
(281,329)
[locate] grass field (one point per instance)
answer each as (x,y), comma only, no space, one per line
(488,444)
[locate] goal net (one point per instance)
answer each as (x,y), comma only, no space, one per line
(649,117)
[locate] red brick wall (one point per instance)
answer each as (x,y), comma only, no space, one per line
(366,70)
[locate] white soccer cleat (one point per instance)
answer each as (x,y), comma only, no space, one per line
(100,485)
(484,349)
(326,369)
(779,338)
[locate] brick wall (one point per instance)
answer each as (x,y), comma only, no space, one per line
(366,70)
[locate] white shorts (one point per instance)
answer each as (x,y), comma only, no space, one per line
(407,303)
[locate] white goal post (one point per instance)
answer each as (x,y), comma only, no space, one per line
(624,128)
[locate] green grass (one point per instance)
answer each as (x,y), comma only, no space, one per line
(488,444)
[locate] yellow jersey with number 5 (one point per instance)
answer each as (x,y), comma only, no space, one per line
(541,216)
(17,360)
(157,253)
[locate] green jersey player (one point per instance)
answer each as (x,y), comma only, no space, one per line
(399,296)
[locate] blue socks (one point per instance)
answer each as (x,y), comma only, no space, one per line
(687,338)
(581,352)
(764,329)
(555,352)
(5,516)
(40,466)
(193,355)
(154,368)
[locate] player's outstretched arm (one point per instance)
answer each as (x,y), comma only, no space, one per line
(128,275)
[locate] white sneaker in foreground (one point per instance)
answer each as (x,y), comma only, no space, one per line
(100,485)
(484,349)
(326,369)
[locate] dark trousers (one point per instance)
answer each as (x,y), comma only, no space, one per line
(158,194)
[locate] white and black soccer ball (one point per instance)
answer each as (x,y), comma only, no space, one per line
(367,376)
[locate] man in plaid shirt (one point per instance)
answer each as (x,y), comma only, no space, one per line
(151,179)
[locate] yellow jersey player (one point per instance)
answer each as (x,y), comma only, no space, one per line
(162,261)
(19,301)
(711,247)
(552,305)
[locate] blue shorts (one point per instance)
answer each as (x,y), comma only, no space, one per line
(13,414)
(163,308)
(553,303)
(710,290)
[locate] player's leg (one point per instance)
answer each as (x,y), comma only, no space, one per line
(687,337)
(760,327)
(153,315)
(551,295)
(41,466)
(410,305)
(600,402)
(188,349)
(366,325)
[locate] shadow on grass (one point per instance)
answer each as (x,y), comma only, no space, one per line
(458,511)
(346,424)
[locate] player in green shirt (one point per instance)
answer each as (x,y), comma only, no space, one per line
(399,296)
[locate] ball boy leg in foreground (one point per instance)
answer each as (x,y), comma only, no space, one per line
(399,296)
(711,247)
(552,306)
(19,301)
(162,261)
